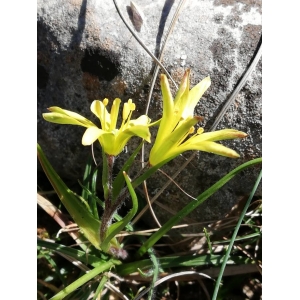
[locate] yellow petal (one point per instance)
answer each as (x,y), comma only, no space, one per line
(141,120)
(91,135)
(181,99)
(219,135)
(211,147)
(141,131)
(59,113)
(99,109)
(109,144)
(61,119)
(183,88)
(166,124)
(114,112)
(194,96)
(160,151)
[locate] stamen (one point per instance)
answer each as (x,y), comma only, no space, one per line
(131,105)
(191,130)
(200,130)
(105,102)
(128,108)
(126,111)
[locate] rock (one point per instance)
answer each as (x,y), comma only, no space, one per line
(85,52)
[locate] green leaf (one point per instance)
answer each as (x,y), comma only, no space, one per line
(233,238)
(89,184)
(74,204)
(192,205)
(86,258)
(181,261)
(100,287)
(92,202)
(85,278)
(86,178)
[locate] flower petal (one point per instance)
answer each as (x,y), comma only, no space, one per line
(91,135)
(60,119)
(114,112)
(58,115)
(194,96)
(166,124)
(182,93)
(168,106)
(182,96)
(141,120)
(139,130)
(219,135)
(162,150)
(109,144)
(211,147)
(99,109)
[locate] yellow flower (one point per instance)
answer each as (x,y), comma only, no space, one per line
(112,140)
(178,122)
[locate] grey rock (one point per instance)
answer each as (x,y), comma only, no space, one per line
(85,52)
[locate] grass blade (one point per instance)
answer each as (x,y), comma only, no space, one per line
(234,236)
(180,262)
(82,256)
(83,279)
(192,205)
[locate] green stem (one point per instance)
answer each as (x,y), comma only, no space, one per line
(208,240)
(115,228)
(109,209)
(155,272)
(234,236)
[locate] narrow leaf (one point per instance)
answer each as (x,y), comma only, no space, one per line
(83,279)
(73,203)
(181,261)
(89,184)
(192,205)
(237,227)
(86,178)
(86,258)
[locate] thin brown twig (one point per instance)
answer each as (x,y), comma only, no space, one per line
(58,216)
(170,178)
(143,44)
(212,272)
(159,193)
(149,204)
(48,285)
(204,288)
(168,34)
(218,119)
